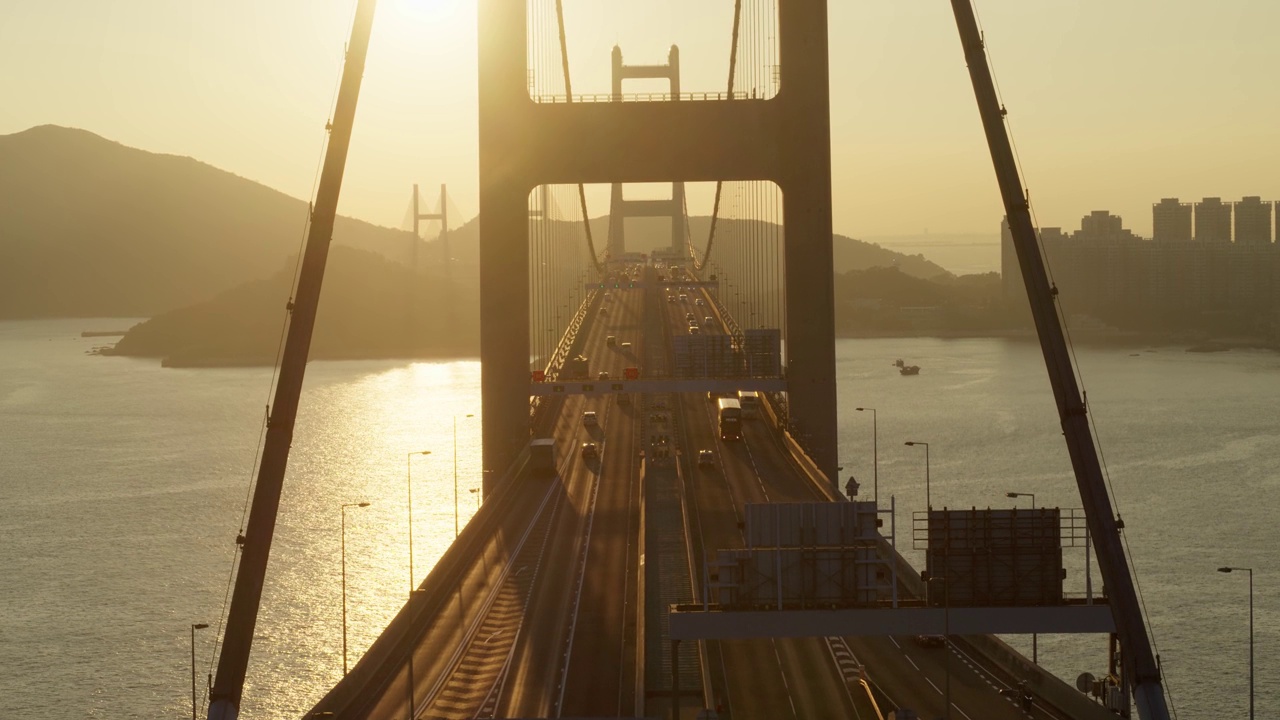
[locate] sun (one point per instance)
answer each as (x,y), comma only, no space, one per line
(428,11)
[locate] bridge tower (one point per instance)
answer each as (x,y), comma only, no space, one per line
(442,216)
(785,139)
(620,208)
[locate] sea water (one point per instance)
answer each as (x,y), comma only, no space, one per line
(123,486)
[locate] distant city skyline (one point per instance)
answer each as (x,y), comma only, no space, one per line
(1099,97)
(1247,221)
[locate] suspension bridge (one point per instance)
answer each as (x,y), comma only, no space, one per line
(663,533)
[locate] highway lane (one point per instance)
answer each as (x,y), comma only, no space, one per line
(900,665)
(605,622)
(787,678)
(896,665)
(576,610)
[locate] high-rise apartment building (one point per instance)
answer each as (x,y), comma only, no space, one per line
(1253,221)
(1102,226)
(1171,221)
(1213,220)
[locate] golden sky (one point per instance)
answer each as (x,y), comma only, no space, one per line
(1113,103)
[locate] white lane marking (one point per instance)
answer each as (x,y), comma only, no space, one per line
(894,640)
(783,673)
(935,687)
(962,712)
(913,662)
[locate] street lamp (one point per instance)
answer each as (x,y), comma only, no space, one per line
(911,443)
(413,700)
(946,634)
(455,474)
(875,455)
(408,475)
(1250,571)
(194,628)
(1034,636)
(344,579)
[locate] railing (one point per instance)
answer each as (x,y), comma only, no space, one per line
(563,350)
(639,97)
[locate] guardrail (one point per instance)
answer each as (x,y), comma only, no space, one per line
(384,658)
(564,349)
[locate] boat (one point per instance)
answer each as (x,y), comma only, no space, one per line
(909,369)
(898,363)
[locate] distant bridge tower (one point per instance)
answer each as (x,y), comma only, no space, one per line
(442,216)
(620,208)
(523,144)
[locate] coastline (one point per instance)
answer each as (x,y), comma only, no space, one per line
(1187,342)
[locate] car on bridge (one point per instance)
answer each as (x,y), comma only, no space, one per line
(590,419)
(706,458)
(604,375)
(590,451)
(931,641)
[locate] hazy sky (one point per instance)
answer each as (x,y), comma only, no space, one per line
(1114,104)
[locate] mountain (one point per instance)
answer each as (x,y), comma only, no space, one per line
(92,228)
(885,301)
(645,234)
(370,307)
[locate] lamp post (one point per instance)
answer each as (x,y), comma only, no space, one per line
(875,455)
(1034,636)
(343,510)
(911,443)
(194,628)
(412,696)
(455,473)
(946,635)
(1250,571)
(408,476)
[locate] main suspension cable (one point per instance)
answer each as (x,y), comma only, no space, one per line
(568,96)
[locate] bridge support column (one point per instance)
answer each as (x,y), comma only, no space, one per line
(504,330)
(805,178)
(504,236)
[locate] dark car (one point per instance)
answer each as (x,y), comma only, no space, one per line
(590,451)
(931,641)
(706,458)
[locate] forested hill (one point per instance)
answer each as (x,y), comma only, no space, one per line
(92,228)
